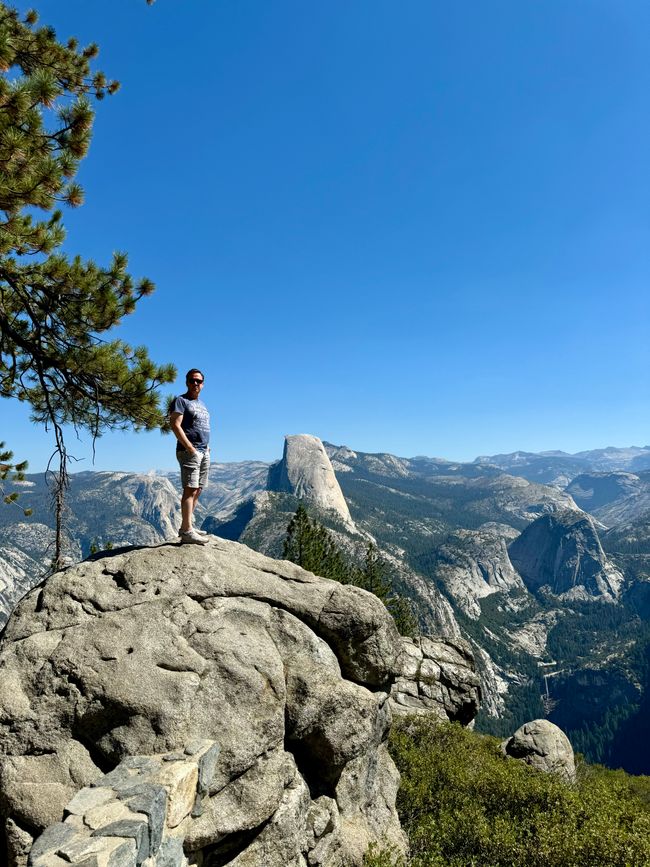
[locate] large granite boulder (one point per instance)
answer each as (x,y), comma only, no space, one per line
(144,651)
(437,676)
(542,745)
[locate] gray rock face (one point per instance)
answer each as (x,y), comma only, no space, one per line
(144,651)
(473,564)
(18,574)
(563,552)
(306,472)
(495,681)
(595,491)
(437,677)
(104,508)
(532,636)
(544,746)
(229,484)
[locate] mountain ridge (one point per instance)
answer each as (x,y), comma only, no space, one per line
(443,528)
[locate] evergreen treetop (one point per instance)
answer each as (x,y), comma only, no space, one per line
(309,544)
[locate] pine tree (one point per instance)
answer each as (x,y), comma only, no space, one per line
(55,310)
(309,544)
(298,541)
(403,614)
(12,472)
(373,575)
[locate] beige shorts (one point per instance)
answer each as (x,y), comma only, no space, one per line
(194,468)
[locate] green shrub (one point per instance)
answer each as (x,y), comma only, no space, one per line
(463,804)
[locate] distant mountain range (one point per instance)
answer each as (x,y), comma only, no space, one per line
(559,468)
(541,560)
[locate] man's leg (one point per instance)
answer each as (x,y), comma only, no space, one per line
(195,499)
(203,480)
(188,501)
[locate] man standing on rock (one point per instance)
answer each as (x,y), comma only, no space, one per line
(190,424)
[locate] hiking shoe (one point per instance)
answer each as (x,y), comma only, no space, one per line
(197,531)
(191,537)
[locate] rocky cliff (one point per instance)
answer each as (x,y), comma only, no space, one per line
(24,560)
(437,676)
(563,553)
(145,652)
(306,472)
(473,564)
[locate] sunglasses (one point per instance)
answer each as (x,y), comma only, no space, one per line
(196,381)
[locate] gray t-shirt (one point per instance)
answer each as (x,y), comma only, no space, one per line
(195,422)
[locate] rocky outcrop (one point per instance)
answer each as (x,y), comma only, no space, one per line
(562,552)
(544,746)
(136,812)
(144,652)
(473,564)
(20,569)
(229,484)
(437,677)
(306,472)
(595,491)
(532,637)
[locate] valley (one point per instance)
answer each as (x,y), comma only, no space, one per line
(541,561)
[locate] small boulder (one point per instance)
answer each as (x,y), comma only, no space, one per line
(544,746)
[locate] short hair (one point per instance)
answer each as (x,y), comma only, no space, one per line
(193,370)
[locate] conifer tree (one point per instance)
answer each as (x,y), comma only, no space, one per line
(374,577)
(373,574)
(55,310)
(297,543)
(12,472)
(402,612)
(309,544)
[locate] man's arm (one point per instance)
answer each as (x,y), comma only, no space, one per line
(175,423)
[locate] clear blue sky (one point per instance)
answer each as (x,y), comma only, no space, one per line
(418,227)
